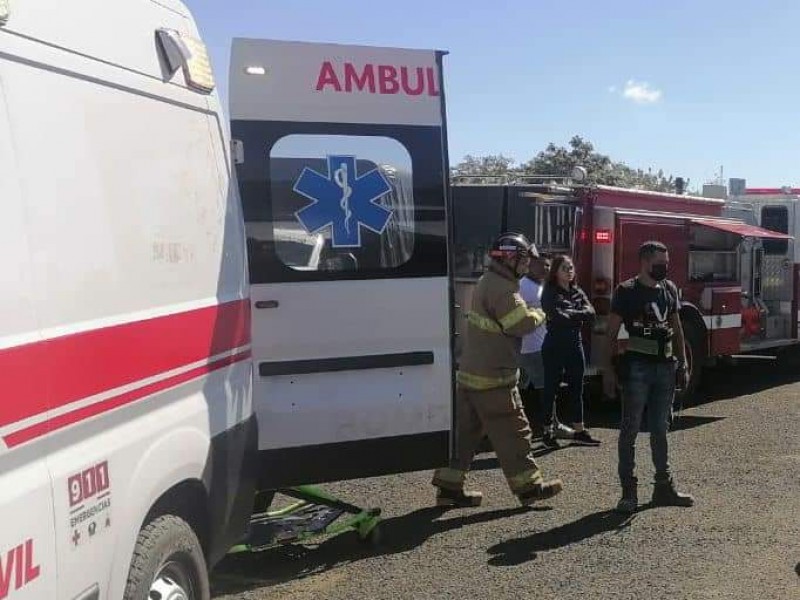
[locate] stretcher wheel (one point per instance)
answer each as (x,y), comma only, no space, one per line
(373,537)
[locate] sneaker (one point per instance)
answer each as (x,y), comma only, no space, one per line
(541,491)
(665,494)
(549,440)
(584,438)
(458,498)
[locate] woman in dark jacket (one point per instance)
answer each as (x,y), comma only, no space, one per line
(568,310)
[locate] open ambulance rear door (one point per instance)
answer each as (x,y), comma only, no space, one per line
(342,167)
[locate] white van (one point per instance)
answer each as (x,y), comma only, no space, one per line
(126,417)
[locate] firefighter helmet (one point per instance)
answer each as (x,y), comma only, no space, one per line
(512,246)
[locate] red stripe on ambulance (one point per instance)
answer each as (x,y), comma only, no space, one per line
(84,364)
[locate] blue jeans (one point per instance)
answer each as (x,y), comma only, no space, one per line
(650,385)
(563,357)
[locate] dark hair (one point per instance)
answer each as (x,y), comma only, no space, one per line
(555,267)
(650,249)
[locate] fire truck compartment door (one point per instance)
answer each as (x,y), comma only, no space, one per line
(725,322)
(342,170)
(634,230)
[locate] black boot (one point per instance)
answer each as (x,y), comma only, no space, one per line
(665,494)
(629,502)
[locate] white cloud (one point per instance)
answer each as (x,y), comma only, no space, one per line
(612,89)
(641,92)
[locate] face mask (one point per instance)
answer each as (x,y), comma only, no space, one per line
(658,272)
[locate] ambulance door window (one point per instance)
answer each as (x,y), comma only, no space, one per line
(324,207)
(341,203)
(775,218)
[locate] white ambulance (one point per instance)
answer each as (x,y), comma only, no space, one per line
(126,412)
(129,445)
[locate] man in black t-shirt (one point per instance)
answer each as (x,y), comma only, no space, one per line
(648,306)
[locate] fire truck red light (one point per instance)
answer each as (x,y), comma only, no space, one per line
(602,236)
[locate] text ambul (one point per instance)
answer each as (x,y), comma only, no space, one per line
(378,79)
(17,566)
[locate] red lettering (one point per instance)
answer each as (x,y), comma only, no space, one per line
(19,572)
(89,483)
(32,570)
(101,476)
(433,86)
(366,80)
(404,78)
(388,78)
(327,76)
(413,81)
(75,489)
(5,573)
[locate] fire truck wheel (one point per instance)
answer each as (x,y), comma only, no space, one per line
(168,563)
(695,358)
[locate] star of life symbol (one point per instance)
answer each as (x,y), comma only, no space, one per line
(343,201)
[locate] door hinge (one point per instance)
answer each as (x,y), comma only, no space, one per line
(237,150)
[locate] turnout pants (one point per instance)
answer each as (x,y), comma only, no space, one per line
(499,414)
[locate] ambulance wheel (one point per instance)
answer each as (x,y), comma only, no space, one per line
(168,563)
(695,359)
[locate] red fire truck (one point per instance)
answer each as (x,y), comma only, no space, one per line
(731,273)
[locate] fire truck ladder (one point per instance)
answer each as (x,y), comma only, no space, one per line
(314,514)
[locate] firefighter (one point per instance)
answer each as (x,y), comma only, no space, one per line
(649,307)
(487,396)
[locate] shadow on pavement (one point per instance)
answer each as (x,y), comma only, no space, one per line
(237,573)
(750,377)
(683,422)
(521,550)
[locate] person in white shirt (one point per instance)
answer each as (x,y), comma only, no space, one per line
(531,365)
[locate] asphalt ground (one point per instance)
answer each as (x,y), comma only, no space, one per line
(737,451)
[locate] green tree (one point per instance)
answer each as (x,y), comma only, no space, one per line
(559,161)
(478,167)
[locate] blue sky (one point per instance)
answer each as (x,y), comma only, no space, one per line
(679,85)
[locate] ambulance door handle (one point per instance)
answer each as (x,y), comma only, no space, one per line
(266,304)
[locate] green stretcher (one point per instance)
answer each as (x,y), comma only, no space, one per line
(313,514)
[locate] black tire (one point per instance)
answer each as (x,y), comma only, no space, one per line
(167,552)
(696,354)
